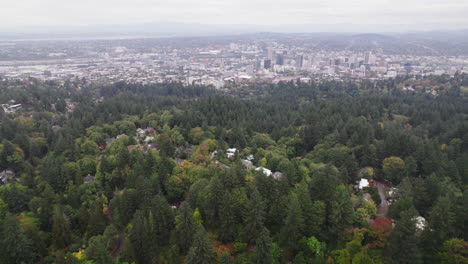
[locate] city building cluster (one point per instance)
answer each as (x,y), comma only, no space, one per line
(220,64)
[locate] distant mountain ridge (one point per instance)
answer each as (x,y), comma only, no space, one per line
(441,42)
(192,29)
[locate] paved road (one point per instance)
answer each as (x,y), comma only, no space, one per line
(119,243)
(382,208)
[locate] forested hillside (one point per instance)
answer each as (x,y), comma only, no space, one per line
(321,172)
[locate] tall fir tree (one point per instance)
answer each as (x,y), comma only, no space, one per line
(201,251)
(61,232)
(185,227)
(215,196)
(441,226)
(137,238)
(341,213)
(263,248)
(403,244)
(307,208)
(97,250)
(96,222)
(163,222)
(15,247)
(317,219)
(225,258)
(441,220)
(293,224)
(254,216)
(227,218)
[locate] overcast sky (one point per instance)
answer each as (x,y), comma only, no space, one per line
(14,13)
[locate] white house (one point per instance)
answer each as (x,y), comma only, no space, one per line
(420,223)
(247,164)
(231,152)
(363,183)
(264,170)
(277,175)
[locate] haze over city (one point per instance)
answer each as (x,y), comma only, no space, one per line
(243,16)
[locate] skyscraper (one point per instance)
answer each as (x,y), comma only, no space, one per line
(299,61)
(369,58)
(270,53)
(279,59)
(366,57)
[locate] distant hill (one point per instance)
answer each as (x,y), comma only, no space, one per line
(339,37)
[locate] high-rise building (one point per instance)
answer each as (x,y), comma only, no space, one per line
(249,69)
(267,64)
(270,53)
(258,65)
(233,46)
(279,59)
(314,61)
(367,57)
(299,61)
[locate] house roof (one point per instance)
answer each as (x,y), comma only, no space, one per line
(264,170)
(277,175)
(88,178)
(231,152)
(363,183)
(420,223)
(3,180)
(247,164)
(148,139)
(222,165)
(109,140)
(367,196)
(6,176)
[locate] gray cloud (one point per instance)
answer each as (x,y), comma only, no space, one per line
(16,13)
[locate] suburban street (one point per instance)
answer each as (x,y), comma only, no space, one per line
(382,208)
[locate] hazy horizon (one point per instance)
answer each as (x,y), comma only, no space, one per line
(26,16)
(177,29)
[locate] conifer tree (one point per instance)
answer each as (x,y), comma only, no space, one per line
(137,237)
(442,221)
(227,215)
(96,221)
(403,245)
(104,166)
(123,157)
(163,220)
(185,227)
(201,251)
(263,254)
(293,224)
(341,213)
(97,250)
(213,203)
(15,247)
(225,258)
(61,233)
(307,208)
(317,219)
(255,215)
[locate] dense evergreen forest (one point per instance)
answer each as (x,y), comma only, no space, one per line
(321,172)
